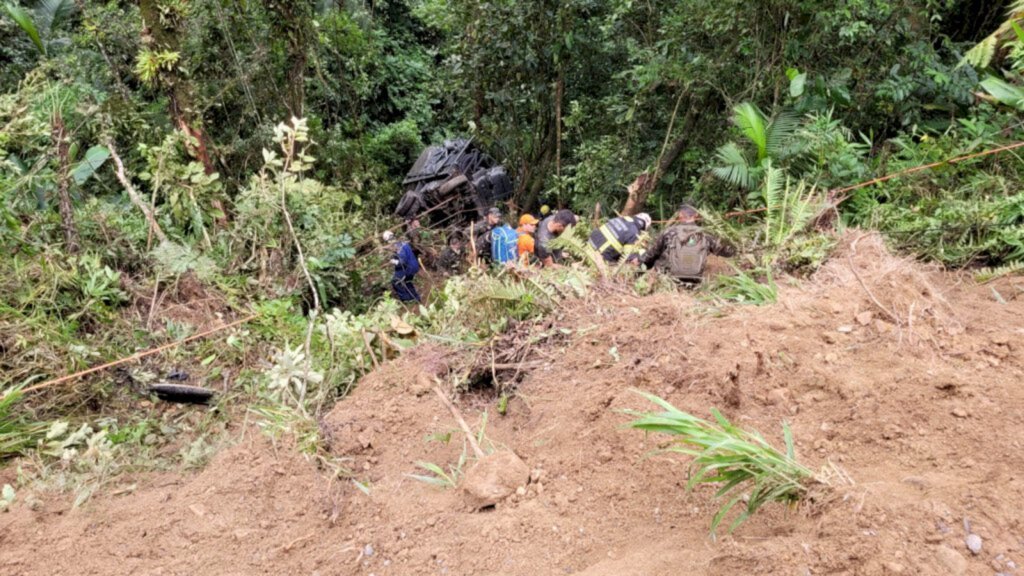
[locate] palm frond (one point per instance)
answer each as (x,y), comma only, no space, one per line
(735,168)
(753,124)
(737,459)
(27,25)
(51,13)
(780,133)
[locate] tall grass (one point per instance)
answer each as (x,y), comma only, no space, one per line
(18,432)
(749,469)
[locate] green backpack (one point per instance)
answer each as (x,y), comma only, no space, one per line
(687,253)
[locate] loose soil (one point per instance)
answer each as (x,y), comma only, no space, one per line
(906,378)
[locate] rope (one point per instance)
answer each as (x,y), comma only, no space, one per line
(835,192)
(136,356)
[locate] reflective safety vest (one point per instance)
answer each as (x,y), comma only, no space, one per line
(614,236)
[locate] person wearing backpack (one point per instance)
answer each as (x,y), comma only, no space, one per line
(682,249)
(480,236)
(618,235)
(504,245)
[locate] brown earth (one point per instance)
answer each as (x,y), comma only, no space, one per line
(906,378)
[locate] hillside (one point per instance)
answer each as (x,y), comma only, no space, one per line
(904,377)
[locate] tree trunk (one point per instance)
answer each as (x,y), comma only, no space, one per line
(646,182)
(161,32)
(291,21)
(559,92)
(59,137)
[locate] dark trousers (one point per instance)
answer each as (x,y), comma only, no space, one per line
(405,289)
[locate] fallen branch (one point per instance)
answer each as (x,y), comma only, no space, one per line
(895,320)
(133,194)
(458,418)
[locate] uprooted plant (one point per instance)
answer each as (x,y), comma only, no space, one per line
(749,468)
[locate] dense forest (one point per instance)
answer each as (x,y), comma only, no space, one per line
(168,167)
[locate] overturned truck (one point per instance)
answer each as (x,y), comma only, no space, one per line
(454,183)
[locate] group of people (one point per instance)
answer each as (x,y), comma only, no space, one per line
(681,250)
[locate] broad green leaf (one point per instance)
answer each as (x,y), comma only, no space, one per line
(94,158)
(1004,92)
(797,85)
(21,17)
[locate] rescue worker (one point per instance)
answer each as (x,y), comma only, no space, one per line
(452,257)
(406,267)
(682,249)
(527,228)
(480,233)
(547,230)
(618,235)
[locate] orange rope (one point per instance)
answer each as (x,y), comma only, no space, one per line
(136,356)
(838,191)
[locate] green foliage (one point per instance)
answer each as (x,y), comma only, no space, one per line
(744,288)
(440,477)
(748,468)
(18,432)
(40,24)
(772,141)
(989,274)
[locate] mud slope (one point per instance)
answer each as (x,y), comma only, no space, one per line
(906,378)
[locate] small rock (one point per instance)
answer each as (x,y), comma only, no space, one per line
(198,510)
(845,329)
(973,542)
(917,482)
(954,562)
(894,568)
(521,491)
(778,396)
(540,488)
(828,337)
(864,318)
(933,538)
(368,550)
(494,478)
(536,475)
(959,412)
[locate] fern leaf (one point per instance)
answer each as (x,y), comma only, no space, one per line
(986,275)
(981,55)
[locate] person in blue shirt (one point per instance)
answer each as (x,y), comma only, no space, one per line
(406,267)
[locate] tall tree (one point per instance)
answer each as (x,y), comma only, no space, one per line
(159,65)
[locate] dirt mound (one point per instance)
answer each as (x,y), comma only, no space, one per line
(901,375)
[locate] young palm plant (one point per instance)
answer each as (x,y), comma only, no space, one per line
(767,140)
(748,468)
